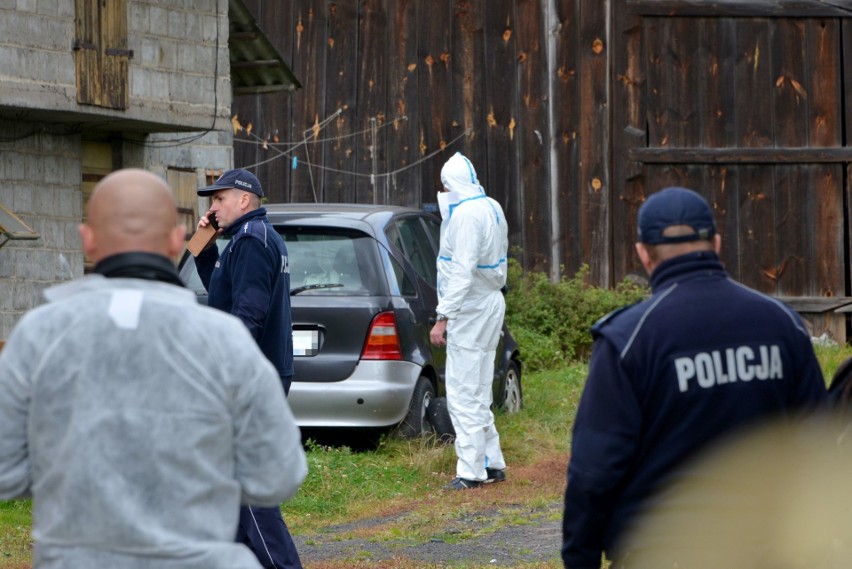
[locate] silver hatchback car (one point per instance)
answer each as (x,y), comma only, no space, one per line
(363,296)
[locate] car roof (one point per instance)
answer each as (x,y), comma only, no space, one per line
(337,214)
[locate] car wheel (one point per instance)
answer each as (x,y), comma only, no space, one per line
(512,398)
(417,424)
(439,416)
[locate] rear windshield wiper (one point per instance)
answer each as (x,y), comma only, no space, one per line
(297,290)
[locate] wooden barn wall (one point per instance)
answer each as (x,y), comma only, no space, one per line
(746,103)
(572,112)
(392,88)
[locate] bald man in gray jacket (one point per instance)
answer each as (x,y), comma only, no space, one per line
(138,420)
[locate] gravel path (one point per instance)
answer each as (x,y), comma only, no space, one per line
(529,537)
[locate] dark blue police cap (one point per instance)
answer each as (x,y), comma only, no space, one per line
(234,179)
(675,206)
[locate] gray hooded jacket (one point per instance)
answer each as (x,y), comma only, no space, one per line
(139,421)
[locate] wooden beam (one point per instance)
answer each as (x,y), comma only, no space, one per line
(817,304)
(256,64)
(823,155)
(242,36)
(742,8)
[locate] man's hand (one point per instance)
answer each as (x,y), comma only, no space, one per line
(206,223)
(438,333)
(208,218)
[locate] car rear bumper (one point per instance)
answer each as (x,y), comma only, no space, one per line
(377,394)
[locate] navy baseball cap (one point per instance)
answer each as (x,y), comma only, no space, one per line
(675,206)
(234,179)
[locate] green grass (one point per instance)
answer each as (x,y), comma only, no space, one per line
(830,358)
(15,541)
(343,485)
(402,477)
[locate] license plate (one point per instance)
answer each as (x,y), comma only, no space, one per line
(305,342)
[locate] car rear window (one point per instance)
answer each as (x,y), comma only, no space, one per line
(323,261)
(332,261)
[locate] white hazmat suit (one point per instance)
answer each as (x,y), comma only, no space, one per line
(471,272)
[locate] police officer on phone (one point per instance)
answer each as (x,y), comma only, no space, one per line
(250,279)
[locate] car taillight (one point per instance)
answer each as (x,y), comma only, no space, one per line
(383,340)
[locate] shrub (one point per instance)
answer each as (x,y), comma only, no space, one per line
(551,321)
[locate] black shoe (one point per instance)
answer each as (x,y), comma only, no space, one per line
(495,475)
(462,484)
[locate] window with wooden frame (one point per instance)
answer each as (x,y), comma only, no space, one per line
(102,54)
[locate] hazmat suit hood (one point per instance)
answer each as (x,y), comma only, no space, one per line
(459,177)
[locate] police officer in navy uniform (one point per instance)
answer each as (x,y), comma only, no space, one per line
(702,357)
(251,280)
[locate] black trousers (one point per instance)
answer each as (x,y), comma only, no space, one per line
(264,532)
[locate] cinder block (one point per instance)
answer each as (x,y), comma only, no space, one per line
(186,59)
(193,26)
(209,29)
(27,5)
(45,268)
(48,7)
(44,201)
(177,24)
(23,200)
(149,55)
(168,54)
(138,22)
(159,21)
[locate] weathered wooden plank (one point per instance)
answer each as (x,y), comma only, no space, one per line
(269,115)
(717,92)
(435,82)
(755,118)
(793,221)
(466,63)
(595,151)
(824,51)
(846,30)
(740,8)
(372,104)
(655,48)
(791,85)
(341,148)
(403,153)
(817,304)
(114,55)
(279,108)
(87,47)
(309,62)
(825,190)
(533,135)
(757,221)
(739,155)
(717,87)
(825,194)
(846,101)
(566,126)
(502,172)
(721,188)
(681,62)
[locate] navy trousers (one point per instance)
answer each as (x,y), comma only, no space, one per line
(264,532)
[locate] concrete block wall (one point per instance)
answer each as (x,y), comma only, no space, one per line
(179,77)
(176,45)
(174,78)
(37,66)
(40,173)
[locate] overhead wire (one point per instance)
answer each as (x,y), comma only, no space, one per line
(265,142)
(294,145)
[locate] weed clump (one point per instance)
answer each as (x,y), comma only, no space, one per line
(551,321)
